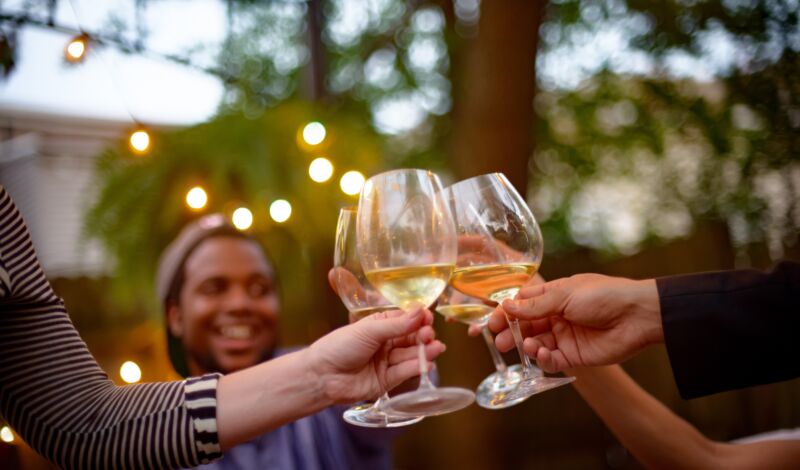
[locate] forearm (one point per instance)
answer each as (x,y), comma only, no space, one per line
(649,430)
(709,317)
(57,397)
(259,399)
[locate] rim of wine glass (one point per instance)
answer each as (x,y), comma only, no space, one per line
(398,170)
(484,177)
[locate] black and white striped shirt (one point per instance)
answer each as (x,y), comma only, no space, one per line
(56,397)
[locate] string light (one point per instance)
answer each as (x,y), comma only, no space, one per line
(314,133)
(140,141)
(351,182)
(196,198)
(280,210)
(6,435)
(320,170)
(242,218)
(75,51)
(130,372)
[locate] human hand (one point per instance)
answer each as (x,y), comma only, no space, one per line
(583,320)
(367,358)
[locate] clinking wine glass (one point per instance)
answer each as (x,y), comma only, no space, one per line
(407,247)
(500,247)
(361,300)
(455,305)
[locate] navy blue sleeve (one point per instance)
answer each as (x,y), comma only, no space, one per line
(732,329)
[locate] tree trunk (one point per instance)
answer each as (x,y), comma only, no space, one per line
(493,110)
(315,72)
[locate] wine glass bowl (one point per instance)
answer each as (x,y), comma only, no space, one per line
(361,300)
(500,247)
(407,247)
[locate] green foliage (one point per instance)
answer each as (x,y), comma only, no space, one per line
(239,161)
(625,158)
(373,57)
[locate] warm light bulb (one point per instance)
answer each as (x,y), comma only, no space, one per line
(351,182)
(314,133)
(140,141)
(6,435)
(320,170)
(196,198)
(76,49)
(242,218)
(280,210)
(130,372)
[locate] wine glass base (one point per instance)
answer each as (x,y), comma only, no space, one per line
(533,385)
(491,393)
(369,416)
(430,402)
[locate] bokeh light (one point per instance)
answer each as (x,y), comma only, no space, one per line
(140,141)
(196,198)
(130,372)
(351,182)
(6,435)
(242,218)
(76,49)
(314,133)
(320,170)
(280,210)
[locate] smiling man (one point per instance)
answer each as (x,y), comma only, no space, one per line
(222,307)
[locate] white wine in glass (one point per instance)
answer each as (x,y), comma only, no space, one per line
(411,286)
(500,247)
(361,300)
(471,314)
(495,282)
(407,247)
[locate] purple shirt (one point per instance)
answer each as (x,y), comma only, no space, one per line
(323,441)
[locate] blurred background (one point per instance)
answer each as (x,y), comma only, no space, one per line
(650,138)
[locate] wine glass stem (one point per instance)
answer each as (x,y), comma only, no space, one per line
(380,403)
(527,367)
(499,363)
(424,380)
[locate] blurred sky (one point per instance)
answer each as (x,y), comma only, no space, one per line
(110,84)
(118,86)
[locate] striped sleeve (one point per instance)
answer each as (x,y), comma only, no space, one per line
(56,397)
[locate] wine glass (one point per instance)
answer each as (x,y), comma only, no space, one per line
(361,300)
(499,248)
(491,392)
(407,247)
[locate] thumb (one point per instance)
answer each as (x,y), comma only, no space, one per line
(381,328)
(551,302)
(332,280)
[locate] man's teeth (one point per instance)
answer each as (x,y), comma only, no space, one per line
(237,331)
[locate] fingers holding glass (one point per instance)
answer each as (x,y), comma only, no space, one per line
(407,247)
(500,249)
(362,300)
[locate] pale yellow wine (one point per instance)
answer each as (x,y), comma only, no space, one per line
(495,282)
(411,286)
(466,313)
(364,312)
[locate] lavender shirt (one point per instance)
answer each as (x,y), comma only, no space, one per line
(323,441)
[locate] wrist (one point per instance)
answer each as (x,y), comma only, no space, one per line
(647,309)
(317,379)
